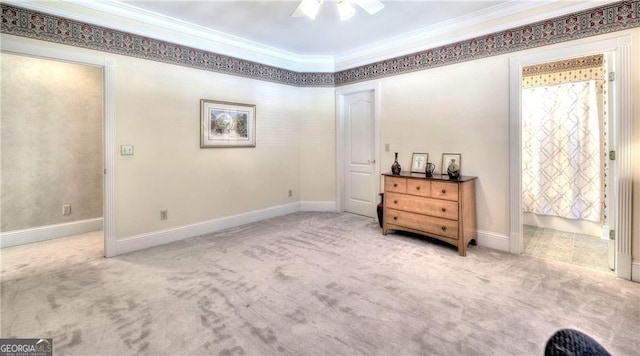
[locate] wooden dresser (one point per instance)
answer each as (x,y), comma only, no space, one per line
(438,207)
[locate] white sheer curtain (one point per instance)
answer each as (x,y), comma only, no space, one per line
(561,151)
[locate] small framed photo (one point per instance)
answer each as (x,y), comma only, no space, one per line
(419,162)
(448,158)
(224,124)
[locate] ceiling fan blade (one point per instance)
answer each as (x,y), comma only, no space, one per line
(307,8)
(298,11)
(370,6)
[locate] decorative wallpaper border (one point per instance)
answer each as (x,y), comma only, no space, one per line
(600,20)
(595,61)
(27,23)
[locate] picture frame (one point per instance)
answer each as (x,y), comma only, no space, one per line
(419,162)
(227,124)
(446,160)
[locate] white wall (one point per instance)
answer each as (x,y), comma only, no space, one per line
(158,112)
(157,109)
(464,108)
(563,224)
(461,108)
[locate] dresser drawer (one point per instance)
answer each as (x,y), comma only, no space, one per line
(428,224)
(392,184)
(428,206)
(442,190)
(419,187)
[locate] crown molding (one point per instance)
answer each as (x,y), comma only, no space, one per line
(117,15)
(463,27)
(133,20)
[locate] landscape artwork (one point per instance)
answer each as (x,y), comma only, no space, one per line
(227,124)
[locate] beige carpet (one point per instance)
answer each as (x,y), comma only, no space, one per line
(307,284)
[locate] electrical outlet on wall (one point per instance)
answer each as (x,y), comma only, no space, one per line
(164,214)
(290,193)
(66,209)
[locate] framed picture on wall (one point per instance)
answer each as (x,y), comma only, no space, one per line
(448,159)
(419,162)
(225,124)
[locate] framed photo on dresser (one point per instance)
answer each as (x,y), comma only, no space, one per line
(419,162)
(448,158)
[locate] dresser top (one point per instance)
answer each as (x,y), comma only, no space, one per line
(439,177)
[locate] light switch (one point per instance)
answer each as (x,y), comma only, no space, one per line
(386,147)
(126,150)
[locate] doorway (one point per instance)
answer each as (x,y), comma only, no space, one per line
(620,119)
(565,165)
(358,143)
(30,48)
(52,174)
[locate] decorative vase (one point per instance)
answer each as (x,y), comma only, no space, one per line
(429,170)
(453,171)
(380,208)
(395,167)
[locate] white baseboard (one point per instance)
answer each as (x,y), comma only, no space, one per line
(635,271)
(142,241)
(320,206)
(42,233)
(494,241)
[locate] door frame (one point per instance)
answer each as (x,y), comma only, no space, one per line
(11,45)
(340,130)
(620,120)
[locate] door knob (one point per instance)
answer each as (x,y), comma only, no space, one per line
(371,162)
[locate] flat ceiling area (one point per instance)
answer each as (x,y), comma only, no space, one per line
(269,22)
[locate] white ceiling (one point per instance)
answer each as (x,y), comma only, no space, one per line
(263,31)
(269,22)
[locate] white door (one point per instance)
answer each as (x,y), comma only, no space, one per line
(359,181)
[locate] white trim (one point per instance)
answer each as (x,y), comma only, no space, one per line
(155,238)
(423,39)
(375,87)
(49,232)
(124,17)
(622,129)
(127,18)
(320,206)
(493,240)
(27,47)
(635,271)
(109,152)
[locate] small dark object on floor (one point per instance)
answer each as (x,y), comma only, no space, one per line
(379,208)
(569,342)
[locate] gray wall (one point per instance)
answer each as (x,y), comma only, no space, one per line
(51,137)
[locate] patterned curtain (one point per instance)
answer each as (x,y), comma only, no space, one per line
(561,156)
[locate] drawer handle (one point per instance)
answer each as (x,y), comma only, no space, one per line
(443,191)
(418,188)
(444,228)
(443,210)
(395,185)
(395,218)
(395,202)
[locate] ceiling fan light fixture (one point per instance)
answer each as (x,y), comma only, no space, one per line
(345,9)
(310,8)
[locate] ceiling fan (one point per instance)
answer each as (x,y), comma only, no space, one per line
(310,8)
